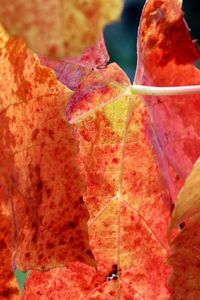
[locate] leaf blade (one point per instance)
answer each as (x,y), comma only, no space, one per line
(58,28)
(38,162)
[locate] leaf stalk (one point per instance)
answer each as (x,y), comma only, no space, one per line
(136,89)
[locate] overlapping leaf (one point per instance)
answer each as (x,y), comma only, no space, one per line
(185,257)
(58,28)
(8,285)
(117,158)
(38,163)
(70,71)
(128,217)
(166,58)
(128,220)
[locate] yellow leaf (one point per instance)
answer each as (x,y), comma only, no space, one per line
(58,28)
(185,252)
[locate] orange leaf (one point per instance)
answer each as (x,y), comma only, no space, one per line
(8,285)
(128,219)
(58,28)
(74,283)
(70,70)
(38,163)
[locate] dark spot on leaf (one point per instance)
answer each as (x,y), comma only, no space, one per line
(33,225)
(8,292)
(34,134)
(27,255)
(71,225)
(113,275)
(40,256)
(48,192)
(51,133)
(49,245)
(2,244)
(181,226)
(89,252)
(34,237)
(39,186)
(37,169)
(81,199)
(172,206)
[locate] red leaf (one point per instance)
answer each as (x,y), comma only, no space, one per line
(8,285)
(116,159)
(38,162)
(128,220)
(74,283)
(166,57)
(65,283)
(70,70)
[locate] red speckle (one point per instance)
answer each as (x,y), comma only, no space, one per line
(49,245)
(115,160)
(53,50)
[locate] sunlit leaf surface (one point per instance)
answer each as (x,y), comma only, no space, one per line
(166,58)
(8,284)
(38,164)
(128,217)
(44,162)
(58,28)
(185,257)
(69,71)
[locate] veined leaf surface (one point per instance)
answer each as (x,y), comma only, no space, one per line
(38,164)
(128,219)
(166,58)
(69,71)
(8,285)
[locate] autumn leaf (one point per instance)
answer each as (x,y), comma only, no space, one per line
(69,71)
(128,219)
(8,285)
(38,164)
(44,162)
(184,258)
(58,28)
(116,159)
(166,58)
(74,283)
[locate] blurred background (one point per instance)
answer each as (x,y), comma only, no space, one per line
(121,37)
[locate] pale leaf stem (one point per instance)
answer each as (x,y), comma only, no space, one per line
(136,89)
(163,91)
